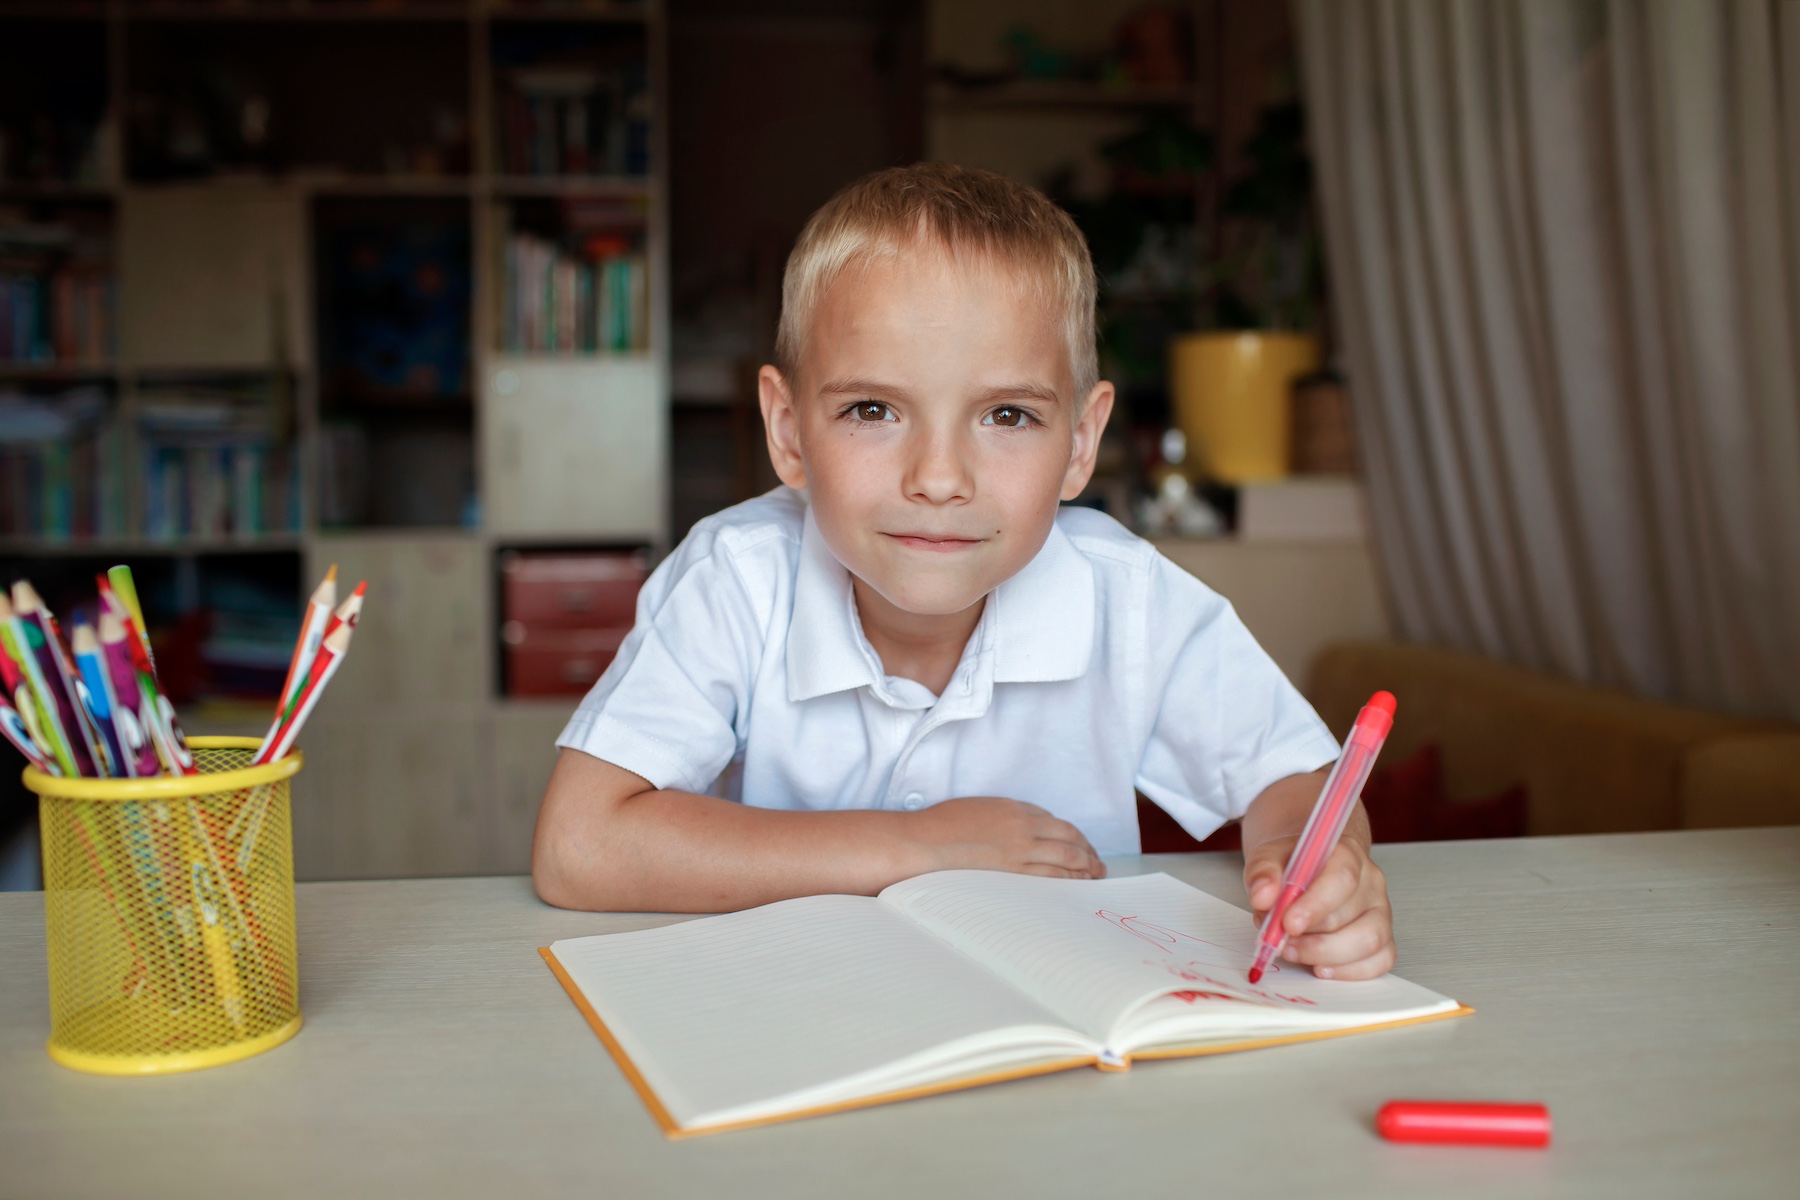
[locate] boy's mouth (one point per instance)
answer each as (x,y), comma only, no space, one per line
(934,542)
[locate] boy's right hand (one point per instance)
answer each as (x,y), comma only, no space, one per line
(992,833)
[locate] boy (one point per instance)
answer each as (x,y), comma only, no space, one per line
(915,658)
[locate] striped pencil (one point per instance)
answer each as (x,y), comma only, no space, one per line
(45,641)
(97,692)
(306,648)
(35,695)
(128,716)
(13,724)
(154,709)
(350,611)
(254,812)
(325,665)
(18,710)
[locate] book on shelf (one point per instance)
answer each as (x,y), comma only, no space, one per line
(575,120)
(56,291)
(223,491)
(945,981)
(216,462)
(62,466)
(594,299)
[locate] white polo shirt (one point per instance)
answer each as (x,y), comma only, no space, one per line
(1100,667)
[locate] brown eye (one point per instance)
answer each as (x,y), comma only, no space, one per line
(1009,417)
(871,410)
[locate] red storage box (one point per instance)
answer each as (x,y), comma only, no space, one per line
(572,591)
(565,615)
(558,662)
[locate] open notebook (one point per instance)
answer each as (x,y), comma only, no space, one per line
(945,981)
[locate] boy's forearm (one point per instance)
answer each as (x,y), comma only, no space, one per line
(666,851)
(1283,807)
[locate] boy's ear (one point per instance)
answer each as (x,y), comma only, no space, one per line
(1094,415)
(781,424)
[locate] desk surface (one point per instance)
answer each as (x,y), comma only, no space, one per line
(441,1058)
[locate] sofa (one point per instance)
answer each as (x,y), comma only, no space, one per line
(1588,759)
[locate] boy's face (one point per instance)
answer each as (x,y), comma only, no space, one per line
(933,420)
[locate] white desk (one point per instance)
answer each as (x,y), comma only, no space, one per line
(441,1059)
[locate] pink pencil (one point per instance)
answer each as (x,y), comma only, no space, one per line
(1326,825)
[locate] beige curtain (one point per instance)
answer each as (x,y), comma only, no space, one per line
(1564,242)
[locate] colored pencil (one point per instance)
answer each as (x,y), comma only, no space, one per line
(325,665)
(13,724)
(119,595)
(312,631)
(45,641)
(34,693)
(128,718)
(350,611)
(97,692)
(123,588)
(22,705)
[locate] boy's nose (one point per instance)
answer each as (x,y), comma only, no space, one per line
(938,471)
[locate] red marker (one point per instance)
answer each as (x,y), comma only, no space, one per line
(1326,824)
(1464,1124)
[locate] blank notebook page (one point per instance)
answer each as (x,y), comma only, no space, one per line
(753,1005)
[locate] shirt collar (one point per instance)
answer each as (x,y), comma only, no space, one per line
(826,650)
(1041,621)
(1043,617)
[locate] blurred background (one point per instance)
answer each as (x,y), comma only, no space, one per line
(1454,346)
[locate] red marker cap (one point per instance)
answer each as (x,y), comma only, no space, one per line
(1464,1124)
(1376,717)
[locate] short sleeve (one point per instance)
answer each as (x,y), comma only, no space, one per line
(669,706)
(1225,723)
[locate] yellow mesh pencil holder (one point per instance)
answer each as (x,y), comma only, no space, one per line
(169,908)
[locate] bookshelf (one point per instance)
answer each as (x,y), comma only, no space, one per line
(318,233)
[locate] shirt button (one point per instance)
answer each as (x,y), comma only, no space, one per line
(913,800)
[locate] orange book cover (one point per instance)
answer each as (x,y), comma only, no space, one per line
(673,1129)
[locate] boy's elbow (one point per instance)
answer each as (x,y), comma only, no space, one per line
(550,873)
(569,845)
(550,877)
(554,873)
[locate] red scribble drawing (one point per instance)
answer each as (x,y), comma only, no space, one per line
(1258,992)
(1191,997)
(1177,942)
(1233,991)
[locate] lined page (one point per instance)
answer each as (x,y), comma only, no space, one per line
(747,1008)
(1094,951)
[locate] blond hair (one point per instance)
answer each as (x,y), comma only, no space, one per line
(964,211)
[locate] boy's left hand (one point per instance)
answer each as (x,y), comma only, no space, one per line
(1341,926)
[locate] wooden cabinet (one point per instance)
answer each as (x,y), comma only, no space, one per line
(575,448)
(398,776)
(525,751)
(427,624)
(213,276)
(392,794)
(423,790)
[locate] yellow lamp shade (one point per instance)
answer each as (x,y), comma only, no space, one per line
(1230,392)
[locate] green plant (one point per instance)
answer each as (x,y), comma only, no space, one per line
(1270,273)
